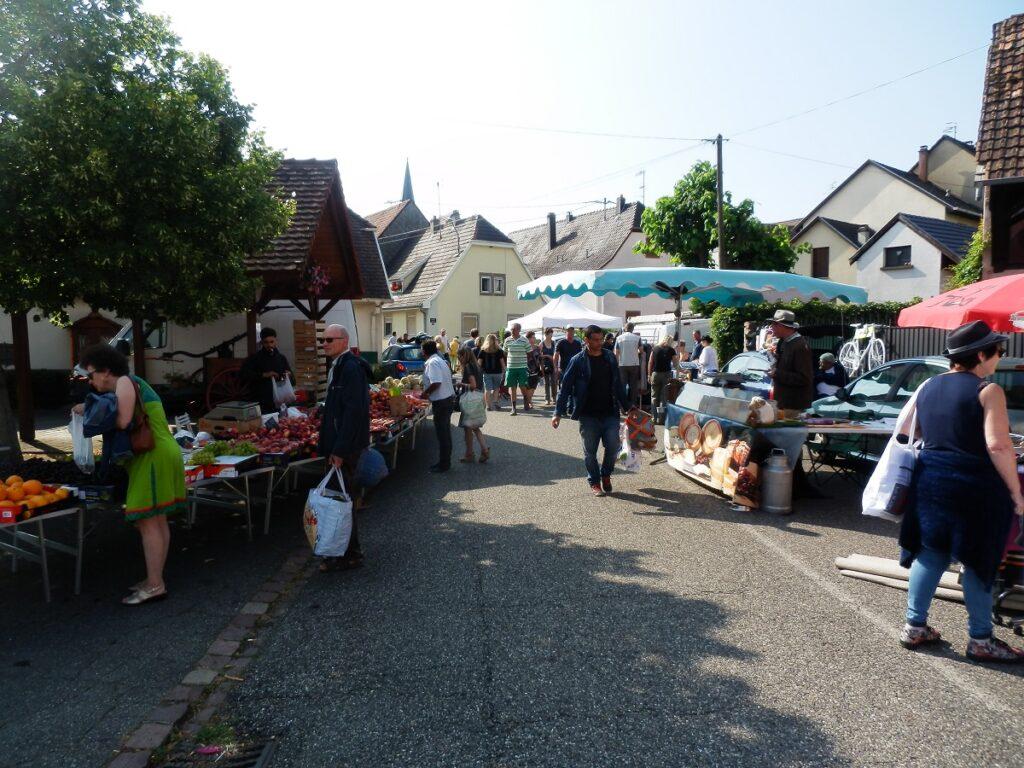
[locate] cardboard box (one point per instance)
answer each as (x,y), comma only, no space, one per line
(218,426)
(232,466)
(194,473)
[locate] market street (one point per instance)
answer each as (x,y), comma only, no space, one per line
(506,617)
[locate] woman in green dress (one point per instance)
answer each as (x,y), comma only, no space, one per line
(156,478)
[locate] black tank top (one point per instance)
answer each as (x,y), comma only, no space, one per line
(950,415)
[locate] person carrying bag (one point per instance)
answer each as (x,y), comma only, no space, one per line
(327,517)
(887,489)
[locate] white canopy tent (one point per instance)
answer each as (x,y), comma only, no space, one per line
(563,312)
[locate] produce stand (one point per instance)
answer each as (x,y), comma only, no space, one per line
(18,539)
(232,493)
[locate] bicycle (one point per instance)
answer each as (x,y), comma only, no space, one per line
(853,357)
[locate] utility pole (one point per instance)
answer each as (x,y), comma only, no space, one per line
(723,261)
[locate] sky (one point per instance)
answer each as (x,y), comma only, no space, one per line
(491,102)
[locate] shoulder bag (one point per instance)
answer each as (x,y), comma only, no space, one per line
(139,430)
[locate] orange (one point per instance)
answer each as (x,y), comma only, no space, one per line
(15,493)
(51,497)
(32,487)
(14,479)
(3,493)
(62,493)
(34,502)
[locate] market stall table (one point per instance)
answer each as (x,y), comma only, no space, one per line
(233,492)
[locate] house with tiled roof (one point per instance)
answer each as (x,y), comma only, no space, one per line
(1001,148)
(602,239)
(910,256)
(940,186)
(455,274)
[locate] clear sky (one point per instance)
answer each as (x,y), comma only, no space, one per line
(372,84)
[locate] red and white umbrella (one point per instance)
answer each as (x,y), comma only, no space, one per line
(998,301)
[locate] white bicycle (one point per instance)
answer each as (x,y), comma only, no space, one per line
(857,357)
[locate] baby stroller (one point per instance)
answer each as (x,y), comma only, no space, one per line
(1010,582)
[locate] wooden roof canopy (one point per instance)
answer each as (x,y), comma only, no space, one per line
(319,234)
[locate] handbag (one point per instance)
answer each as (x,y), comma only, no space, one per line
(140,432)
(888,488)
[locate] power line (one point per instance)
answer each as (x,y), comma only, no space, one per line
(859,93)
(573,132)
(790,154)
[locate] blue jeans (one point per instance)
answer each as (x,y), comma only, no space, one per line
(596,430)
(925,573)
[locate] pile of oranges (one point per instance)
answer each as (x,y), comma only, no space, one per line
(29,494)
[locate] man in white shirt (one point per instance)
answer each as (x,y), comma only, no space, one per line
(627,352)
(440,389)
(707,362)
(393,339)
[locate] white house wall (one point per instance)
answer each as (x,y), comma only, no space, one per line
(874,196)
(820,235)
(924,278)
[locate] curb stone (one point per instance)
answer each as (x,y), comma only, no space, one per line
(205,687)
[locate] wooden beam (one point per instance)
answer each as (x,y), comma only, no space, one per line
(250,330)
(139,346)
(302,309)
(326,308)
(23,376)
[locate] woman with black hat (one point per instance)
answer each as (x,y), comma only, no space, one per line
(964,491)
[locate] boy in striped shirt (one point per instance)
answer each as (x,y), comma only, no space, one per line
(516,349)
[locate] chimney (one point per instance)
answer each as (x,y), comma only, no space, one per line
(622,203)
(922,163)
(435,224)
(455,218)
(552,240)
(863,233)
(569,216)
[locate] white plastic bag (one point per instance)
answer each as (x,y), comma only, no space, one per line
(327,517)
(473,410)
(628,459)
(81,445)
(886,491)
(284,393)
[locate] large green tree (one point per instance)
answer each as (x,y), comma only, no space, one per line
(130,177)
(685,226)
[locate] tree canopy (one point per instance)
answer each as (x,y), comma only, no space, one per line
(130,177)
(685,226)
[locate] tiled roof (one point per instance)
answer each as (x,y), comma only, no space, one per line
(588,241)
(382,219)
(371,268)
(789,224)
(951,201)
(1001,131)
(308,183)
(949,237)
(845,229)
(425,266)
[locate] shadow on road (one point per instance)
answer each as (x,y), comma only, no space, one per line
(496,644)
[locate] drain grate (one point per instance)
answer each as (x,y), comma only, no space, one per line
(253,755)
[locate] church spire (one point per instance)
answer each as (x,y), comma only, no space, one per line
(407,186)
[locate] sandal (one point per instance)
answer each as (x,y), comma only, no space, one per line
(145,595)
(485,454)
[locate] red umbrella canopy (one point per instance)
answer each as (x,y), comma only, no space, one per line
(993,301)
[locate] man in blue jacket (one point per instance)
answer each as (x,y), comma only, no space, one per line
(592,380)
(345,428)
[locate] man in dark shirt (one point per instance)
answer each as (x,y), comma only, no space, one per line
(265,367)
(593,382)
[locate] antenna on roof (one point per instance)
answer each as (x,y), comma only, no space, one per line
(950,127)
(438,199)
(643,186)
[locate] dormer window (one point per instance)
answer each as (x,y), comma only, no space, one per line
(396,286)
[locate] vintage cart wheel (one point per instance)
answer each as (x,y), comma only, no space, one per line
(226,385)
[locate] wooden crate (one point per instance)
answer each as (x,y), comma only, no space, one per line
(310,363)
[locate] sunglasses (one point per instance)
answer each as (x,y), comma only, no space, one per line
(329,339)
(1000,352)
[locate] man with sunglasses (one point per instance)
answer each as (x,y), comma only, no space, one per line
(345,426)
(264,367)
(592,380)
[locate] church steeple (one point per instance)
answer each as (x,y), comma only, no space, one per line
(407,186)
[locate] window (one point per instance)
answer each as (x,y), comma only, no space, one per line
(492,285)
(875,386)
(412,353)
(918,375)
(819,263)
(410,323)
(469,322)
(898,256)
(387,328)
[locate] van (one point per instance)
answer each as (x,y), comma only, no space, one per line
(651,328)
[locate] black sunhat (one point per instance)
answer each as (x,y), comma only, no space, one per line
(972,337)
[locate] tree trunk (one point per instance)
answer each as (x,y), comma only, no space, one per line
(23,376)
(8,426)
(139,346)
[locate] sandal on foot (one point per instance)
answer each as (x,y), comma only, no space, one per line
(145,595)
(485,454)
(914,637)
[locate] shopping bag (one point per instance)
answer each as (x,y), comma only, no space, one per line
(327,517)
(641,430)
(474,411)
(628,459)
(81,445)
(284,392)
(371,468)
(886,492)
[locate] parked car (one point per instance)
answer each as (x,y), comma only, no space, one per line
(883,392)
(753,368)
(402,359)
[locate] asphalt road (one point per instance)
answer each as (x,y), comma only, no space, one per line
(507,618)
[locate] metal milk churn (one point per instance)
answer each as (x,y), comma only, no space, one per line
(777,484)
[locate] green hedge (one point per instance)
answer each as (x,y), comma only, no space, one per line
(50,388)
(727,322)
